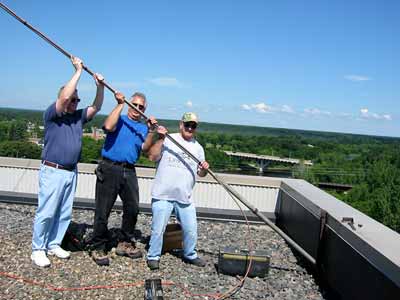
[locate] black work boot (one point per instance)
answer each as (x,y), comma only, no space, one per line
(195,261)
(100,257)
(153,264)
(129,250)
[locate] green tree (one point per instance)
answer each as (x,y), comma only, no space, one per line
(4,129)
(91,150)
(379,196)
(20,149)
(17,131)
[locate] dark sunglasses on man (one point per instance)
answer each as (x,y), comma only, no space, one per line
(75,100)
(138,106)
(192,125)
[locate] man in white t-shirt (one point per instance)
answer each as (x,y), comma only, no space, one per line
(173,187)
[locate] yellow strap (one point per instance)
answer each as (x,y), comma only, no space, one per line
(245,257)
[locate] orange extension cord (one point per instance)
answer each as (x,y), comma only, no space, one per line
(187,292)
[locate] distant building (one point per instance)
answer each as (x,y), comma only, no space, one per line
(37,141)
(96,134)
(30,127)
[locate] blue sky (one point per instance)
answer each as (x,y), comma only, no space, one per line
(314,65)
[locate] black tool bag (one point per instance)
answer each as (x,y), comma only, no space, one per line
(235,262)
(76,238)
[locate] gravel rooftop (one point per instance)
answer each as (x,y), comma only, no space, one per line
(287,278)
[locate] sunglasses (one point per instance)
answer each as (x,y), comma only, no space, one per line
(138,106)
(192,125)
(75,100)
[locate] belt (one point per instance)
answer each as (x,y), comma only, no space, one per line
(57,166)
(118,163)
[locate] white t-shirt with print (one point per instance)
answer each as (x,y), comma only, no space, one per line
(176,171)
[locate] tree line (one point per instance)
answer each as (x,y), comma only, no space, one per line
(371,164)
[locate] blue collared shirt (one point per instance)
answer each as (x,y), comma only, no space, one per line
(63,136)
(125,143)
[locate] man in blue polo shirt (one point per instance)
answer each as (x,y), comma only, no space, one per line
(58,173)
(116,175)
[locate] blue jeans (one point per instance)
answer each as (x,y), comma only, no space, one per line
(53,215)
(186,215)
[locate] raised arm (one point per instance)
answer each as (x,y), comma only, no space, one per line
(111,122)
(154,150)
(98,100)
(68,90)
(151,124)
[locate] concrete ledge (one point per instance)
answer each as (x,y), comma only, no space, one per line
(360,261)
(149,172)
(86,203)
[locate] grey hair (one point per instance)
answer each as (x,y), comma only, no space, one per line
(140,95)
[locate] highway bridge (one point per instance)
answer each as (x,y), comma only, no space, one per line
(263,161)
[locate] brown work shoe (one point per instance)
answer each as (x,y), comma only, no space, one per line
(100,257)
(129,250)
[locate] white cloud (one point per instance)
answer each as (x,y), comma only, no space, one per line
(366,114)
(287,109)
(357,78)
(312,111)
(317,112)
(166,82)
(345,115)
(261,107)
(387,117)
(264,108)
(258,107)
(189,103)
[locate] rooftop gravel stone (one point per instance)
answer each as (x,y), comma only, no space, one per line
(287,278)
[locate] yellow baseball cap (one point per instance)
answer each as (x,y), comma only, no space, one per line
(190,117)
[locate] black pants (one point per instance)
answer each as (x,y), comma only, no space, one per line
(113,180)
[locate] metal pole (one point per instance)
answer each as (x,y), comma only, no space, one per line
(229,189)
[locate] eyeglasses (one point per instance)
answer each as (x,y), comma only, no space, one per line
(138,106)
(75,100)
(192,125)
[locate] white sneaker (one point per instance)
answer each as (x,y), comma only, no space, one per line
(40,259)
(59,252)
